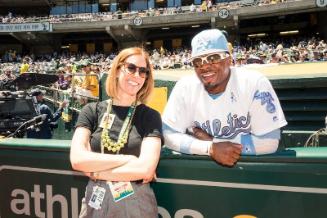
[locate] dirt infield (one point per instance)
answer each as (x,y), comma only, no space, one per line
(281,71)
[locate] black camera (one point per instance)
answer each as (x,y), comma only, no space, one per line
(15,109)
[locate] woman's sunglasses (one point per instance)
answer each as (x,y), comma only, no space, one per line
(132,69)
(210,59)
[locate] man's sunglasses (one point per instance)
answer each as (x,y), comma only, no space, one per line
(210,59)
(132,69)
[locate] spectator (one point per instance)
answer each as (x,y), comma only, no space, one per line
(25,66)
(192,8)
(6,78)
(209,5)
(90,81)
(204,6)
(44,131)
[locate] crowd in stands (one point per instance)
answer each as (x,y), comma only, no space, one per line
(296,50)
(207,5)
(80,73)
(293,51)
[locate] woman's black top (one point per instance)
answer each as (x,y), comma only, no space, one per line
(146,123)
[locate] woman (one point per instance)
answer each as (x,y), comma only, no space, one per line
(117,142)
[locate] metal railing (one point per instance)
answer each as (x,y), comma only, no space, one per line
(76,100)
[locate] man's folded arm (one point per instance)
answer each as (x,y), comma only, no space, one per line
(251,144)
(185,143)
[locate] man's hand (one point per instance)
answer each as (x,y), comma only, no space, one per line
(225,153)
(63,104)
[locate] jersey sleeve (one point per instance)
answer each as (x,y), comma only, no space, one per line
(87,117)
(265,110)
(176,113)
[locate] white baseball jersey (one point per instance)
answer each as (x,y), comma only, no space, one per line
(248,105)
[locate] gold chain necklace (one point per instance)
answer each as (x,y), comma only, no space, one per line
(106,141)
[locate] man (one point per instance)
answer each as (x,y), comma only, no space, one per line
(24,66)
(44,131)
(6,78)
(229,44)
(90,81)
(87,85)
(227,111)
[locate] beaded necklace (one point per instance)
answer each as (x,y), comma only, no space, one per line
(106,141)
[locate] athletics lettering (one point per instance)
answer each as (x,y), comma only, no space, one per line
(21,202)
(235,126)
(180,213)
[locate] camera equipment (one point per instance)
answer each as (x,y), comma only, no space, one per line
(30,124)
(18,110)
(15,109)
(16,104)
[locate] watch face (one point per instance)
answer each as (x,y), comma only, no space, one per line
(224,13)
(137,21)
(321,3)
